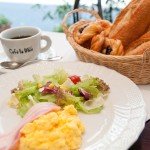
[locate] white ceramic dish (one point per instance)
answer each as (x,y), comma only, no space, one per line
(119,124)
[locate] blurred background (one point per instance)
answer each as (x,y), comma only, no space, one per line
(48,14)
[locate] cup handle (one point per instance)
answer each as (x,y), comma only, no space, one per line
(48,43)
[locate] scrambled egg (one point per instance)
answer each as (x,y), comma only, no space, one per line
(60,130)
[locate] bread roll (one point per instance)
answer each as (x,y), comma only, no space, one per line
(139,46)
(140,49)
(138,43)
(132,22)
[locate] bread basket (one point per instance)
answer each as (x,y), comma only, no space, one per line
(135,67)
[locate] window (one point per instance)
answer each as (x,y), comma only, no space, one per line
(27,13)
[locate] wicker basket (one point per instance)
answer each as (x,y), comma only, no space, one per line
(135,67)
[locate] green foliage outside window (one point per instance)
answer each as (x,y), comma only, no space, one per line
(59,13)
(4,21)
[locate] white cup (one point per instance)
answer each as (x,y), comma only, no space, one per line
(23,44)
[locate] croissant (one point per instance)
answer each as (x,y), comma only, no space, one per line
(112,47)
(86,31)
(97,42)
(105,24)
(107,31)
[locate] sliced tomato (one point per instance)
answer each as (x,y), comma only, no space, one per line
(75,79)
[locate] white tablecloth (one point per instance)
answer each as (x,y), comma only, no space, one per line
(63,48)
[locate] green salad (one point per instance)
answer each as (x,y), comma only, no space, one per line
(86,93)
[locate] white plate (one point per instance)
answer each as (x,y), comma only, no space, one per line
(119,124)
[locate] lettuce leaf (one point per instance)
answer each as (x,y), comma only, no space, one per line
(59,77)
(64,99)
(89,85)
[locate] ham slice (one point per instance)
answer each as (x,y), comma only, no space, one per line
(10,139)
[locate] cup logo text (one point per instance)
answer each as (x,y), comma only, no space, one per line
(20,51)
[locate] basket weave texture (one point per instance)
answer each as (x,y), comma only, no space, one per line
(135,67)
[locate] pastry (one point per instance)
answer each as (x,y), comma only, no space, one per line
(132,22)
(97,42)
(87,44)
(105,24)
(107,31)
(84,32)
(112,47)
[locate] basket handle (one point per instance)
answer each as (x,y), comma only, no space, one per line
(65,28)
(146,56)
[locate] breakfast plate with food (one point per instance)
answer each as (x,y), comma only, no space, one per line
(69,105)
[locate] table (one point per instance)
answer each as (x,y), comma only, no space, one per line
(63,48)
